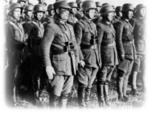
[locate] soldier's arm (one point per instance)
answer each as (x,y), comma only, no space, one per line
(119,32)
(46,44)
(100,34)
(78,34)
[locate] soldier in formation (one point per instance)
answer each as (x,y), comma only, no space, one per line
(49,46)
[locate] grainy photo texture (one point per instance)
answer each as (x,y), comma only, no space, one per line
(74,53)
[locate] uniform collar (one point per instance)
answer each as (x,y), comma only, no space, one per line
(10,18)
(87,19)
(59,21)
(126,20)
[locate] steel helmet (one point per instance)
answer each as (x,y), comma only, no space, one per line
(62,4)
(127,7)
(29,8)
(73,5)
(89,4)
(50,7)
(39,8)
(106,9)
(118,9)
(98,4)
(14,6)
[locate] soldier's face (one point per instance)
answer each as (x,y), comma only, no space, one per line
(74,10)
(29,14)
(92,13)
(119,14)
(130,14)
(17,13)
(52,13)
(110,16)
(64,14)
(39,15)
(142,12)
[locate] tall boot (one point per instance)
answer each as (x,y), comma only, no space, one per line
(125,86)
(87,96)
(106,92)
(120,80)
(81,96)
(64,100)
(134,79)
(100,94)
(55,101)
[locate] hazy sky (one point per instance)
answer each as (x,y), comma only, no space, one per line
(113,2)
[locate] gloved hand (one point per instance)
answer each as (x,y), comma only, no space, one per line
(50,72)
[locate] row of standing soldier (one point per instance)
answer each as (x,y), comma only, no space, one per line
(83,39)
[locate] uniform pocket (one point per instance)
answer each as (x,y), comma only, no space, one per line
(59,62)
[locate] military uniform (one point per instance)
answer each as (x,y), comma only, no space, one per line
(139,41)
(126,52)
(106,38)
(108,52)
(14,46)
(86,34)
(26,88)
(35,29)
(59,47)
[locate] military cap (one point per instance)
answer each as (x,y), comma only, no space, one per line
(98,4)
(39,8)
(127,7)
(106,9)
(139,6)
(29,8)
(50,7)
(73,5)
(89,4)
(62,4)
(14,6)
(118,9)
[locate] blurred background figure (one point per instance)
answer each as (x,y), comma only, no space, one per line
(139,40)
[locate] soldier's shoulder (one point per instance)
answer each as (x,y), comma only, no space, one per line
(101,25)
(119,23)
(53,27)
(70,26)
(8,25)
(80,23)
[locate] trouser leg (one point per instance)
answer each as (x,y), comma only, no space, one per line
(126,79)
(100,93)
(64,100)
(55,101)
(134,79)
(87,96)
(106,92)
(81,95)
(120,80)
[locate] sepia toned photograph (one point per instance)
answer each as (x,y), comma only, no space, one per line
(74,53)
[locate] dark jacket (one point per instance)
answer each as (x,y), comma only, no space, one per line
(54,45)
(86,34)
(125,39)
(15,39)
(107,44)
(138,33)
(35,37)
